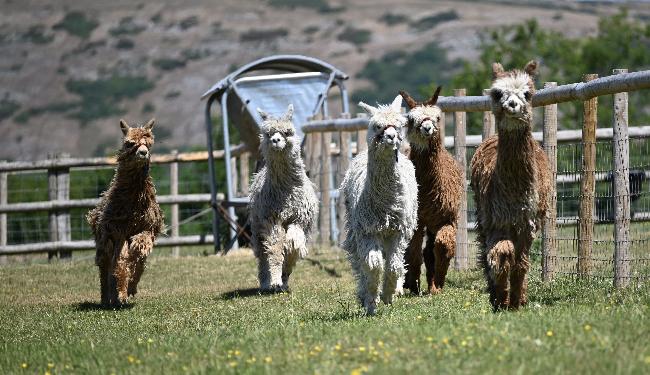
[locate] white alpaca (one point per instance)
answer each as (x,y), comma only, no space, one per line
(283,205)
(381,199)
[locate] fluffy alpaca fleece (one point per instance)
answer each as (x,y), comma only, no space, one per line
(283,204)
(127,219)
(511,183)
(439,180)
(381,201)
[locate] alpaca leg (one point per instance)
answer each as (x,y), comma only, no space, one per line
(430,262)
(500,260)
(295,246)
(140,248)
(272,260)
(518,279)
(372,262)
(103,263)
(444,249)
(393,272)
(413,260)
(122,274)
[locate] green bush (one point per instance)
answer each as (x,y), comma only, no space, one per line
(168,63)
(430,22)
(266,35)
(36,34)
(127,27)
(76,23)
(358,37)
(100,98)
(392,19)
(124,43)
(8,107)
(399,70)
(188,22)
(57,107)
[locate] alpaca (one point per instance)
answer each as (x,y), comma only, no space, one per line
(511,182)
(283,204)
(381,201)
(127,219)
(440,181)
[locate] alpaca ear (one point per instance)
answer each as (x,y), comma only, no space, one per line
(531,68)
(289,115)
(396,105)
(124,126)
(434,98)
(263,114)
(497,70)
(410,102)
(149,124)
(368,108)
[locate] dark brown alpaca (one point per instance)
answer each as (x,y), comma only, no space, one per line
(511,182)
(439,180)
(128,219)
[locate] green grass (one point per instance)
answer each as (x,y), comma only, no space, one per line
(77,23)
(201,315)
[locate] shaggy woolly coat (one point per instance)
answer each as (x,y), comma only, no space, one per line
(126,221)
(283,206)
(380,193)
(439,178)
(511,181)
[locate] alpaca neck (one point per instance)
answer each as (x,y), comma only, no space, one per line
(132,177)
(431,151)
(285,169)
(516,150)
(426,161)
(382,172)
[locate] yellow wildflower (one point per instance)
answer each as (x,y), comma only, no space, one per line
(268,359)
(23,365)
(549,333)
(587,327)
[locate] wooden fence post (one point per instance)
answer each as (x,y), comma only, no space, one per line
(588,183)
(4,190)
(59,220)
(325,186)
(235,175)
(244,172)
(620,149)
(173,190)
(343,165)
(488,121)
(362,142)
(460,122)
(549,230)
(315,142)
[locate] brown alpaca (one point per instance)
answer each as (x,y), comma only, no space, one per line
(439,180)
(128,219)
(511,182)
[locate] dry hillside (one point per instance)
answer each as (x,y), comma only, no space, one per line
(71,68)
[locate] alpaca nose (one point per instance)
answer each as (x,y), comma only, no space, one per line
(143,152)
(427,127)
(275,139)
(512,104)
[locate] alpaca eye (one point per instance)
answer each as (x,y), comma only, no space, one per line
(528,95)
(377,127)
(497,94)
(288,133)
(129,143)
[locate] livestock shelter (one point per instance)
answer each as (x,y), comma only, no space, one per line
(270,83)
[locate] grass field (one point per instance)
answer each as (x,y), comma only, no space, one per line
(201,314)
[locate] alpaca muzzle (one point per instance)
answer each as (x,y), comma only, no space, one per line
(142,153)
(426,126)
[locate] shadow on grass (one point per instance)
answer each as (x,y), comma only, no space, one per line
(331,271)
(94,306)
(250,292)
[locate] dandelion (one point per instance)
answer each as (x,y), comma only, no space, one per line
(587,327)
(232,364)
(380,344)
(445,341)
(237,352)
(47,372)
(268,359)
(149,341)
(50,365)
(467,304)
(647,360)
(337,346)
(419,317)
(429,339)
(549,333)
(362,348)
(131,358)
(463,343)
(23,365)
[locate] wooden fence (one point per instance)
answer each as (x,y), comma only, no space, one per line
(319,135)
(58,206)
(329,147)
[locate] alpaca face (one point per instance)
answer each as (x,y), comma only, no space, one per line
(423,125)
(385,125)
(277,134)
(512,91)
(137,142)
